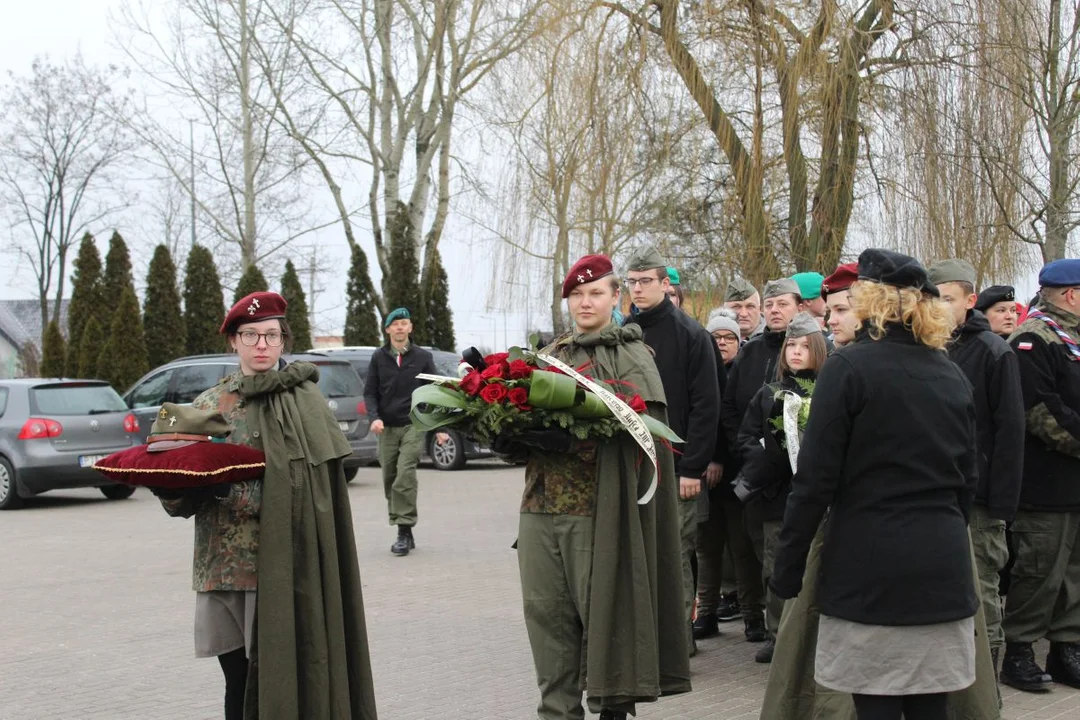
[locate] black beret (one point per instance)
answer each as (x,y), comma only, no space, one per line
(893,268)
(993,295)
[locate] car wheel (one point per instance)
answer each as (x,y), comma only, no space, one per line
(351,473)
(9,489)
(117,492)
(448,456)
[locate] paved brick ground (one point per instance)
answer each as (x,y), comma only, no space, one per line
(96,612)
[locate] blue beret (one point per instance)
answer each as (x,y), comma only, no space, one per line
(1060,273)
(397,314)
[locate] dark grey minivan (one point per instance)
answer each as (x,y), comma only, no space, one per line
(52,431)
(451,455)
(184,379)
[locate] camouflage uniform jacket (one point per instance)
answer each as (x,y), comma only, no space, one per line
(562,483)
(226,529)
(1050,381)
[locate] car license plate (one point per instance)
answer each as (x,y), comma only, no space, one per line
(89,460)
(344,426)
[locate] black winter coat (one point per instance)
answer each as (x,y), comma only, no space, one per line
(890,446)
(754,366)
(685,355)
(991,366)
(389,388)
(1050,379)
(766,467)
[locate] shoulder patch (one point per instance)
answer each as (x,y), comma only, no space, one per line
(1025,345)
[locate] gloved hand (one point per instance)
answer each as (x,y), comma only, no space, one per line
(505,445)
(550,440)
(201,493)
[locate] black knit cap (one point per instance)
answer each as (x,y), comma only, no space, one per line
(896,269)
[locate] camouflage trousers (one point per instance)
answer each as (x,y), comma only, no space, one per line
(991,554)
(399,453)
(765,536)
(1044,593)
(555,562)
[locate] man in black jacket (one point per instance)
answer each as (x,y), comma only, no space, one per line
(1044,595)
(686,358)
(991,366)
(755,366)
(391,379)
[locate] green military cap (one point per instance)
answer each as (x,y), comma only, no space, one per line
(783,286)
(809,284)
(952,270)
(396,314)
(739,290)
(181,425)
(673,276)
(646,258)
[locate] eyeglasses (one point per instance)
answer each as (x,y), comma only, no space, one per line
(251,338)
(643,282)
(726,338)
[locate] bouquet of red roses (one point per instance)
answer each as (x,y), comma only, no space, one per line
(510,393)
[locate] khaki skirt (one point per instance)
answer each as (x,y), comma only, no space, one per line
(224,620)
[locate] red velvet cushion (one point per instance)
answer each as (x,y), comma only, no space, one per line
(197,465)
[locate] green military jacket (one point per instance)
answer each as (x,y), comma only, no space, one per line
(226,529)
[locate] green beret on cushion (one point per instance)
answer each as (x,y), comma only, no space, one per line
(197,465)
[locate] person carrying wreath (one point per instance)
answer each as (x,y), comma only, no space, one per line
(600,574)
(278,594)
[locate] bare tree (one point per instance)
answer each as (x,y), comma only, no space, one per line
(246,176)
(594,161)
(1037,63)
(390,81)
(61,147)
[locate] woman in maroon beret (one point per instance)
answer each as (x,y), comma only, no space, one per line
(255,541)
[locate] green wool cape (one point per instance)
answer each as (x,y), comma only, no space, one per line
(635,634)
(792,693)
(310,651)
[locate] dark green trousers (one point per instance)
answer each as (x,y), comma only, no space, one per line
(1044,593)
(555,562)
(399,453)
(725,556)
(991,554)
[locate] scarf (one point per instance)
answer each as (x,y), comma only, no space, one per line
(1070,343)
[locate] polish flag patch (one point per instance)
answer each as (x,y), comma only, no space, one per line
(1023,346)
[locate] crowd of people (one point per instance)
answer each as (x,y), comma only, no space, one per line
(877,476)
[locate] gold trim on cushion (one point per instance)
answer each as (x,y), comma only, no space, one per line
(163,471)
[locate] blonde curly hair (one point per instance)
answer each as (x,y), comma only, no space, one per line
(877,305)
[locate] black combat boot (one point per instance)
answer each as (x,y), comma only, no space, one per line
(705,626)
(764,655)
(404,542)
(1020,670)
(1063,663)
(728,609)
(612,715)
(755,629)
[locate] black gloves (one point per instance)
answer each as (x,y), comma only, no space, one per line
(551,440)
(196,494)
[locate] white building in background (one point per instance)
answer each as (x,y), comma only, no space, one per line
(20,327)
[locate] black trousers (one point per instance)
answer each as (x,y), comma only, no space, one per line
(895,707)
(235,667)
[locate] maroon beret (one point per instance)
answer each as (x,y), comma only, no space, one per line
(843,278)
(253,308)
(585,270)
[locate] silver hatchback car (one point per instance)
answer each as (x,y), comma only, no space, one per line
(53,431)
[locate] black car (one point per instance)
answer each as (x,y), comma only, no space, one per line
(184,379)
(451,455)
